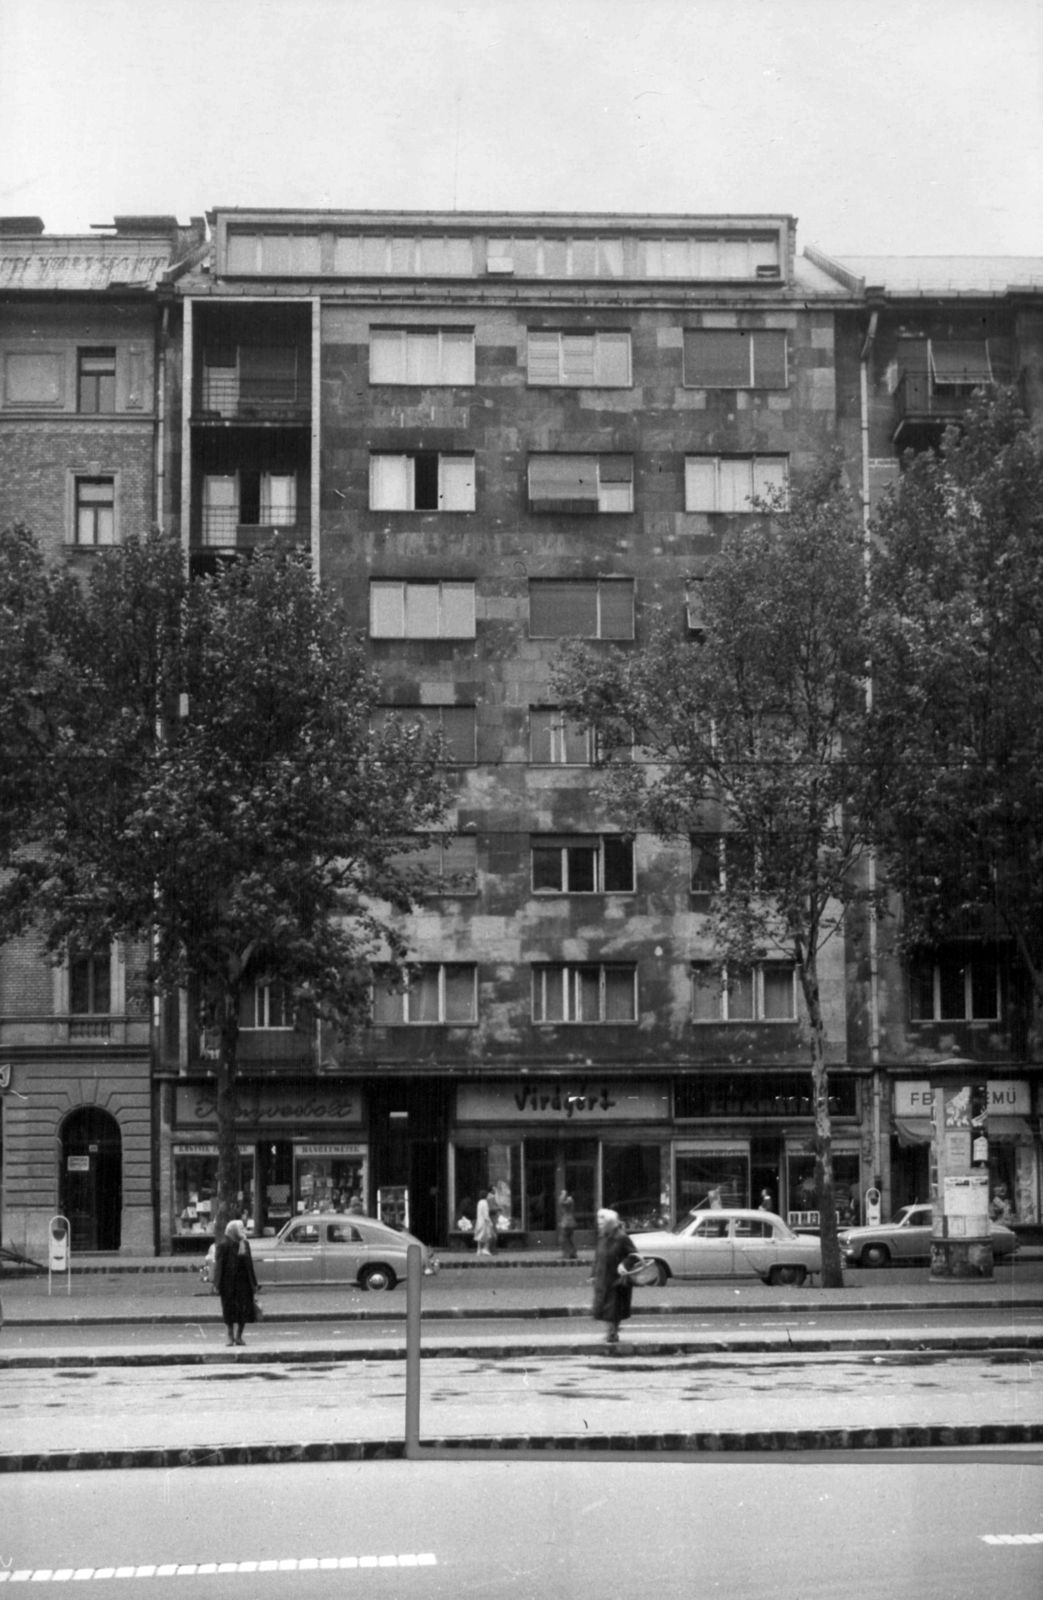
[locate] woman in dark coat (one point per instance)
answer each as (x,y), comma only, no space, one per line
(235,1281)
(611,1292)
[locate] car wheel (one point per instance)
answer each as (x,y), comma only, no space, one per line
(377,1277)
(662,1275)
(794,1275)
(875,1255)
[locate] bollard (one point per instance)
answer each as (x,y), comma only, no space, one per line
(414,1281)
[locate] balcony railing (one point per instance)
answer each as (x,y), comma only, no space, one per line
(229,396)
(222,530)
(918,399)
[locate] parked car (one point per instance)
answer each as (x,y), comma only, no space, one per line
(328,1247)
(732,1244)
(907,1237)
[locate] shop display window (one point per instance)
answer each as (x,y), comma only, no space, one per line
(480,1168)
(631,1183)
(802,1191)
(709,1177)
(330,1177)
(195,1187)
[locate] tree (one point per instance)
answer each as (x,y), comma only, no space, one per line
(756,730)
(958,684)
(207,780)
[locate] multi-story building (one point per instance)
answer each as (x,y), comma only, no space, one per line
(82,452)
(496,433)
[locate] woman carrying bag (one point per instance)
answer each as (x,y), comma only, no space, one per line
(235,1281)
(612,1285)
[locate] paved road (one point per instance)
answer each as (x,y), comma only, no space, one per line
(576,1531)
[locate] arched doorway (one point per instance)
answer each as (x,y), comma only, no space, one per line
(91,1183)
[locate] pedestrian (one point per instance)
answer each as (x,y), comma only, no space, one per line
(495,1212)
(766,1201)
(355,1206)
(483,1227)
(612,1289)
(567,1226)
(235,1281)
(1000,1209)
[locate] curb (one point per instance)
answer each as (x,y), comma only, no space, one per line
(773,1441)
(193,1356)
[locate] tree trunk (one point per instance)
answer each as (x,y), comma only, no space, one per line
(227,1115)
(832,1269)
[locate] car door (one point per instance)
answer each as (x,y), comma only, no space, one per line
(755,1245)
(298,1254)
(342,1251)
(706,1249)
(913,1239)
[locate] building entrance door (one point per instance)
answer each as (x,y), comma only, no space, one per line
(90,1191)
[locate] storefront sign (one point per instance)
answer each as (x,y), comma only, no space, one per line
(914,1099)
(1007,1096)
(271,1104)
(209,1150)
(586,1101)
(311,1150)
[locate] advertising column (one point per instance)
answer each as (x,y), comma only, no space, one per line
(960,1243)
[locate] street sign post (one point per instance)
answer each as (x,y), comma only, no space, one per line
(59,1251)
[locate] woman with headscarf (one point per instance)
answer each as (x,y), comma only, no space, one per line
(235,1281)
(612,1290)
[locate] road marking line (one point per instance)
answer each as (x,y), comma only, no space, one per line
(1012,1538)
(192,1569)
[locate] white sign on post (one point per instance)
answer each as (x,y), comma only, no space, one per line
(59,1251)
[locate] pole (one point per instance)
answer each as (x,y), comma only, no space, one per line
(414,1280)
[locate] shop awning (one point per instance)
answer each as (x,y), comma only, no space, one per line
(913,1130)
(1009,1130)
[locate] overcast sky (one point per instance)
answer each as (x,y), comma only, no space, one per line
(908,126)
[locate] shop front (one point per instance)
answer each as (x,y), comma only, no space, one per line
(604,1142)
(301,1149)
(1013,1149)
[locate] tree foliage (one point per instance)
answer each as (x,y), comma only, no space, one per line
(958,684)
(205,777)
(756,730)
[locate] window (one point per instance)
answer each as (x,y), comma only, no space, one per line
(423,480)
(265,1005)
(421,356)
(450,862)
(954,986)
(728,483)
(581,485)
(712,256)
(456,725)
(601,609)
(95,511)
(573,864)
(753,994)
(441,993)
(278,501)
(33,378)
(716,857)
(421,610)
(90,983)
(734,359)
(554,742)
(96,380)
(588,993)
(579,360)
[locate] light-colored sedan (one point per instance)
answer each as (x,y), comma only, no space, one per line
(328,1247)
(732,1244)
(907,1237)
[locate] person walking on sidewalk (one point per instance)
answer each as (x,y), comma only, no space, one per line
(484,1233)
(612,1289)
(235,1281)
(567,1226)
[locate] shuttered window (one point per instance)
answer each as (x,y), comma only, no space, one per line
(422,480)
(432,357)
(579,360)
(734,358)
(728,483)
(583,485)
(567,609)
(421,610)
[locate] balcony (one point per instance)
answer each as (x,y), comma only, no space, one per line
(263,387)
(921,404)
(222,530)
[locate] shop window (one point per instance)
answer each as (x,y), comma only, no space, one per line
(711,1177)
(581,485)
(456,726)
(574,864)
(494,1167)
(428,357)
(329,1177)
(579,360)
(734,358)
(731,483)
(421,480)
(764,993)
(96,381)
(599,609)
(94,512)
(594,992)
(954,986)
(265,1005)
(632,1183)
(195,1187)
(443,992)
(436,610)
(802,1190)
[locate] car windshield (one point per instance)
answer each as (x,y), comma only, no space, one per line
(911,1217)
